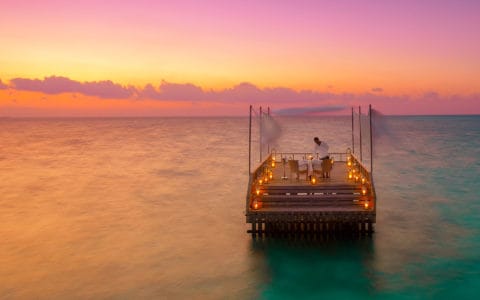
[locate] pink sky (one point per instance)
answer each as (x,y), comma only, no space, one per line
(180,57)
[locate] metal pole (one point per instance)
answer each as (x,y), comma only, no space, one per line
(371,140)
(353,138)
(371,158)
(268,145)
(260,141)
(250,142)
(360,129)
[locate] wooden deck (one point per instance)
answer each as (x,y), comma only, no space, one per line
(286,205)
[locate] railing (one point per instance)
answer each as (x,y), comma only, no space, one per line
(254,177)
(337,156)
(364,173)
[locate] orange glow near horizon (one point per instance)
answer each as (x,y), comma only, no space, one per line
(35,104)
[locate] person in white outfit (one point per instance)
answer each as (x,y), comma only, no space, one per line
(321,148)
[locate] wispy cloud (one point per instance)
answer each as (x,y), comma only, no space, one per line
(309,110)
(431,95)
(377,90)
(57,84)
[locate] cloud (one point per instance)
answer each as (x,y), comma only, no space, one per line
(107,89)
(58,85)
(174,92)
(3,86)
(166,91)
(241,93)
(244,92)
(287,101)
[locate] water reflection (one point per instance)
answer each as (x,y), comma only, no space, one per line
(322,266)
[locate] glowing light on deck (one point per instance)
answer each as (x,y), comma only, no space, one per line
(364,191)
(257,204)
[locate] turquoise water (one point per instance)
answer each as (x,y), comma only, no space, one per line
(153,208)
(427,233)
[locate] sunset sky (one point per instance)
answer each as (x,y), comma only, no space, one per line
(166,58)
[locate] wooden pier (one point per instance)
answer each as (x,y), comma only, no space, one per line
(278,203)
(299,194)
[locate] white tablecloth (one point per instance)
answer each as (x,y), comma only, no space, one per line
(306,164)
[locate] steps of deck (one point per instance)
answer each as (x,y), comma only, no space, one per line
(323,188)
(310,200)
(322,195)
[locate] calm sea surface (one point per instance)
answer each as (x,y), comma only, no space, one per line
(154,208)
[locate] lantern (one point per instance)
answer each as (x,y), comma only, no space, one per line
(257,191)
(257,204)
(363,180)
(350,175)
(366,204)
(313,180)
(273,163)
(364,190)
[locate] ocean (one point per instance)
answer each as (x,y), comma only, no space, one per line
(153,208)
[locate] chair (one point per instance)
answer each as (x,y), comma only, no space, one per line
(317,167)
(327,165)
(293,166)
